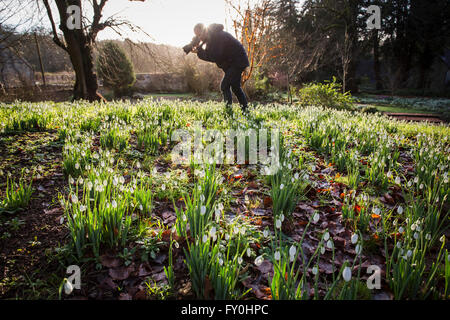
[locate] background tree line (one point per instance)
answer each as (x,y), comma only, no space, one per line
(289,43)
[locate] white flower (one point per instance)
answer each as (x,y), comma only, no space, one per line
(315,270)
(74,198)
(202,198)
(266,233)
(259,260)
(401,230)
(296,176)
(202,210)
(416,235)
(358,249)
(278,224)
(397,180)
(354,238)
(205,238)
(282,217)
(61,221)
(141,208)
(408,253)
(277,255)
(240,260)
(400,210)
(347,274)
(281,186)
(249,252)
(316,217)
(220,262)
(114,204)
(212,232)
(326,236)
(163,187)
(292,250)
(442,239)
(428,236)
(68,288)
(330,244)
(322,250)
(77,166)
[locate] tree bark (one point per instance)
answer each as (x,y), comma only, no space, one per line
(376,60)
(79,49)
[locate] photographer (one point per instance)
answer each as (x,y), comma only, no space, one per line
(229,55)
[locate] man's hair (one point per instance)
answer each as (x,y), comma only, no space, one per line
(199,27)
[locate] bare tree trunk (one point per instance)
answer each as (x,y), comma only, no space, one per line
(80,52)
(376,61)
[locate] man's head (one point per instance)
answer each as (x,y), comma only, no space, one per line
(200,31)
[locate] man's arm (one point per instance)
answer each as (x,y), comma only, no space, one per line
(213,51)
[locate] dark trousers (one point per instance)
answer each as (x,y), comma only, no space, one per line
(232,79)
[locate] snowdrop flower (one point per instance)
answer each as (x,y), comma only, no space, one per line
(400,210)
(322,250)
(399,244)
(316,217)
(278,224)
(202,210)
(61,221)
(141,208)
(77,166)
(408,253)
(259,260)
(442,239)
(205,238)
(347,274)
(71,181)
(163,187)
(82,208)
(220,262)
(326,236)
(401,230)
(354,238)
(249,252)
(240,260)
(292,250)
(296,176)
(428,236)
(68,288)
(212,232)
(74,199)
(330,244)
(315,270)
(282,217)
(358,249)
(281,186)
(266,233)
(277,255)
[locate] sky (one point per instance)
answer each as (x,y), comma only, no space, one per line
(166,21)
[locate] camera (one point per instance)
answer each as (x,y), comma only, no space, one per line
(194,43)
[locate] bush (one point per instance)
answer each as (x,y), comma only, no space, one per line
(115,69)
(328,94)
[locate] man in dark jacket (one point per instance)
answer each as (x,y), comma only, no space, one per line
(229,55)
